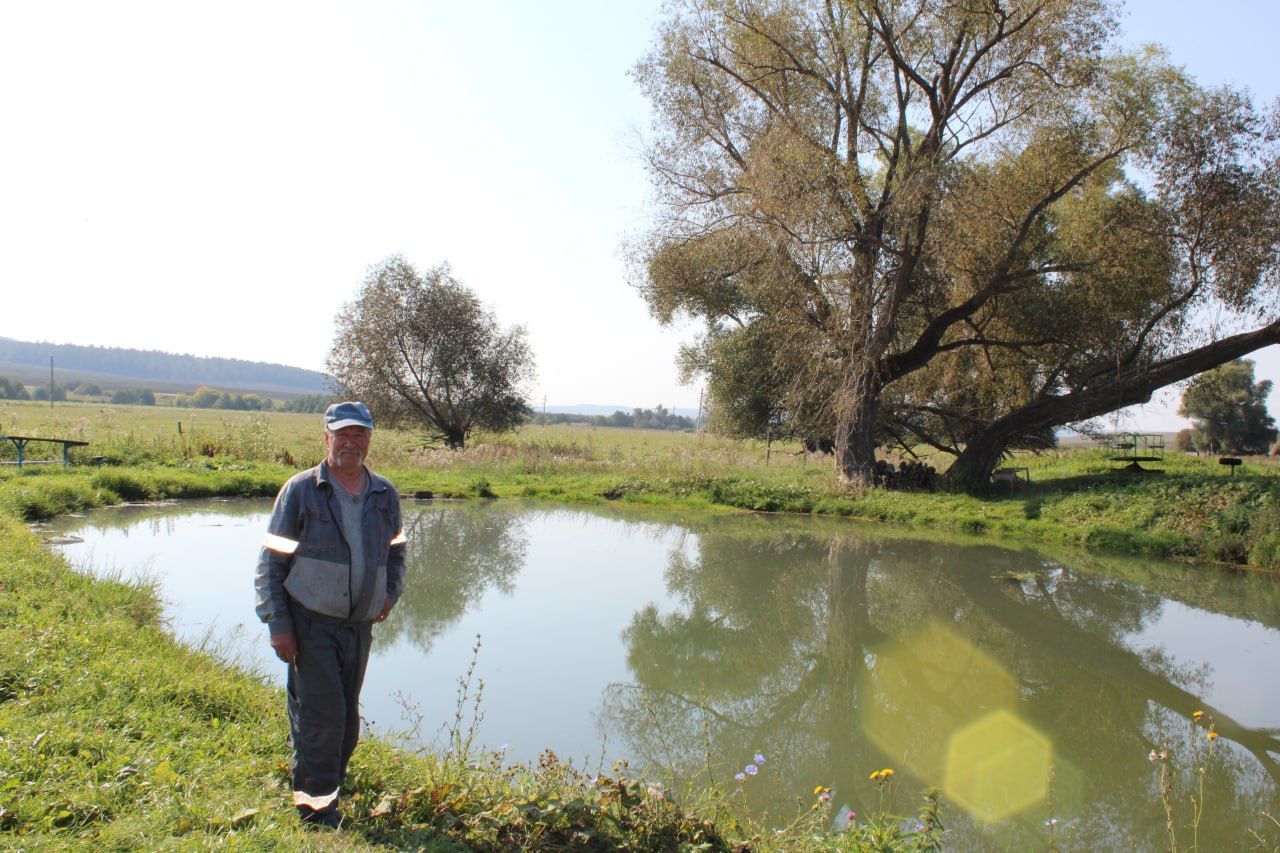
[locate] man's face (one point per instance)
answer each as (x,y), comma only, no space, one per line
(348,447)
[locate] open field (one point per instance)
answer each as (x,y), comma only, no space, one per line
(1192,509)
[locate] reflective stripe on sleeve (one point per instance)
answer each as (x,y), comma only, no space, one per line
(399,538)
(279,544)
(314,803)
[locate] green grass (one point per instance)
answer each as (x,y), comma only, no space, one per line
(1193,509)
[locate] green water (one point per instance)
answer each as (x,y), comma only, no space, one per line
(1027,688)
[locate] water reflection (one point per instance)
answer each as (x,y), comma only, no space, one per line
(453,559)
(839,654)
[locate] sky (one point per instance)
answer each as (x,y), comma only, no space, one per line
(216,179)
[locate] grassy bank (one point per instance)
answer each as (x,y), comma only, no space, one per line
(1190,510)
(115,736)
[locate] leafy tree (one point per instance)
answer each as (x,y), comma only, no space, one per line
(937,209)
(13,389)
(1229,409)
(205,397)
(309,404)
(89,389)
(422,351)
(41,392)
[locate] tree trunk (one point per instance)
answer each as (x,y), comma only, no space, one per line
(855,427)
(1128,387)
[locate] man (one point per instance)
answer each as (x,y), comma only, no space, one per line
(331,565)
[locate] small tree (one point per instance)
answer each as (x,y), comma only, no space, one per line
(1229,409)
(421,351)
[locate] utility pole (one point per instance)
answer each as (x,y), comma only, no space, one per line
(51,382)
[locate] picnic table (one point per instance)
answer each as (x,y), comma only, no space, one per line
(20,442)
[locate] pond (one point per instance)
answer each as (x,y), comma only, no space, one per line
(1031,691)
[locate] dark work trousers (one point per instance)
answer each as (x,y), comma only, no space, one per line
(324,702)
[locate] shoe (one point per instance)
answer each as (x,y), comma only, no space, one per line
(329,818)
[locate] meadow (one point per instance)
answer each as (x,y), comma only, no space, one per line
(1191,508)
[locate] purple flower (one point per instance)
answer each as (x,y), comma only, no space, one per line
(741,777)
(751,769)
(759,758)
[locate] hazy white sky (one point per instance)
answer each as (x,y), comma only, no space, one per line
(216,178)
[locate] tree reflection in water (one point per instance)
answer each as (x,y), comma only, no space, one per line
(793,645)
(454,556)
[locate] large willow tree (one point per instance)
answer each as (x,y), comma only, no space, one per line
(961,209)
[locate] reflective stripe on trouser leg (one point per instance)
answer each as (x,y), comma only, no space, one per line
(324,704)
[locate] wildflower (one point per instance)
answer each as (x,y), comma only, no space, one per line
(759,758)
(824,797)
(1051,822)
(818,790)
(751,769)
(741,777)
(1212,735)
(1152,756)
(875,777)
(851,817)
(655,791)
(1197,715)
(886,773)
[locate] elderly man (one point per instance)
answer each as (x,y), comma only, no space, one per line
(331,565)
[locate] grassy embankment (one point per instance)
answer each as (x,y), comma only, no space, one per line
(1193,509)
(115,736)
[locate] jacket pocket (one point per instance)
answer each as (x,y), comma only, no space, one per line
(320,585)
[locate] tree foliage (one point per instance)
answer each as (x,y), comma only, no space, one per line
(1229,410)
(960,224)
(13,389)
(421,351)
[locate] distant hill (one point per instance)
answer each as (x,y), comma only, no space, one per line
(115,367)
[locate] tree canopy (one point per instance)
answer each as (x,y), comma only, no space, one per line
(421,351)
(956,224)
(1229,410)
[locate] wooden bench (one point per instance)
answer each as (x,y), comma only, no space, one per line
(20,442)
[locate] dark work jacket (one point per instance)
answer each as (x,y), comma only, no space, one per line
(305,557)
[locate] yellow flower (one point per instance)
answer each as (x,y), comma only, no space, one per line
(1213,735)
(817,790)
(1197,715)
(886,773)
(875,777)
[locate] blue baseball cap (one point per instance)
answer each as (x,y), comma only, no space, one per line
(341,415)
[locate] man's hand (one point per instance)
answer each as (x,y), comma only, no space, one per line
(285,647)
(386,610)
